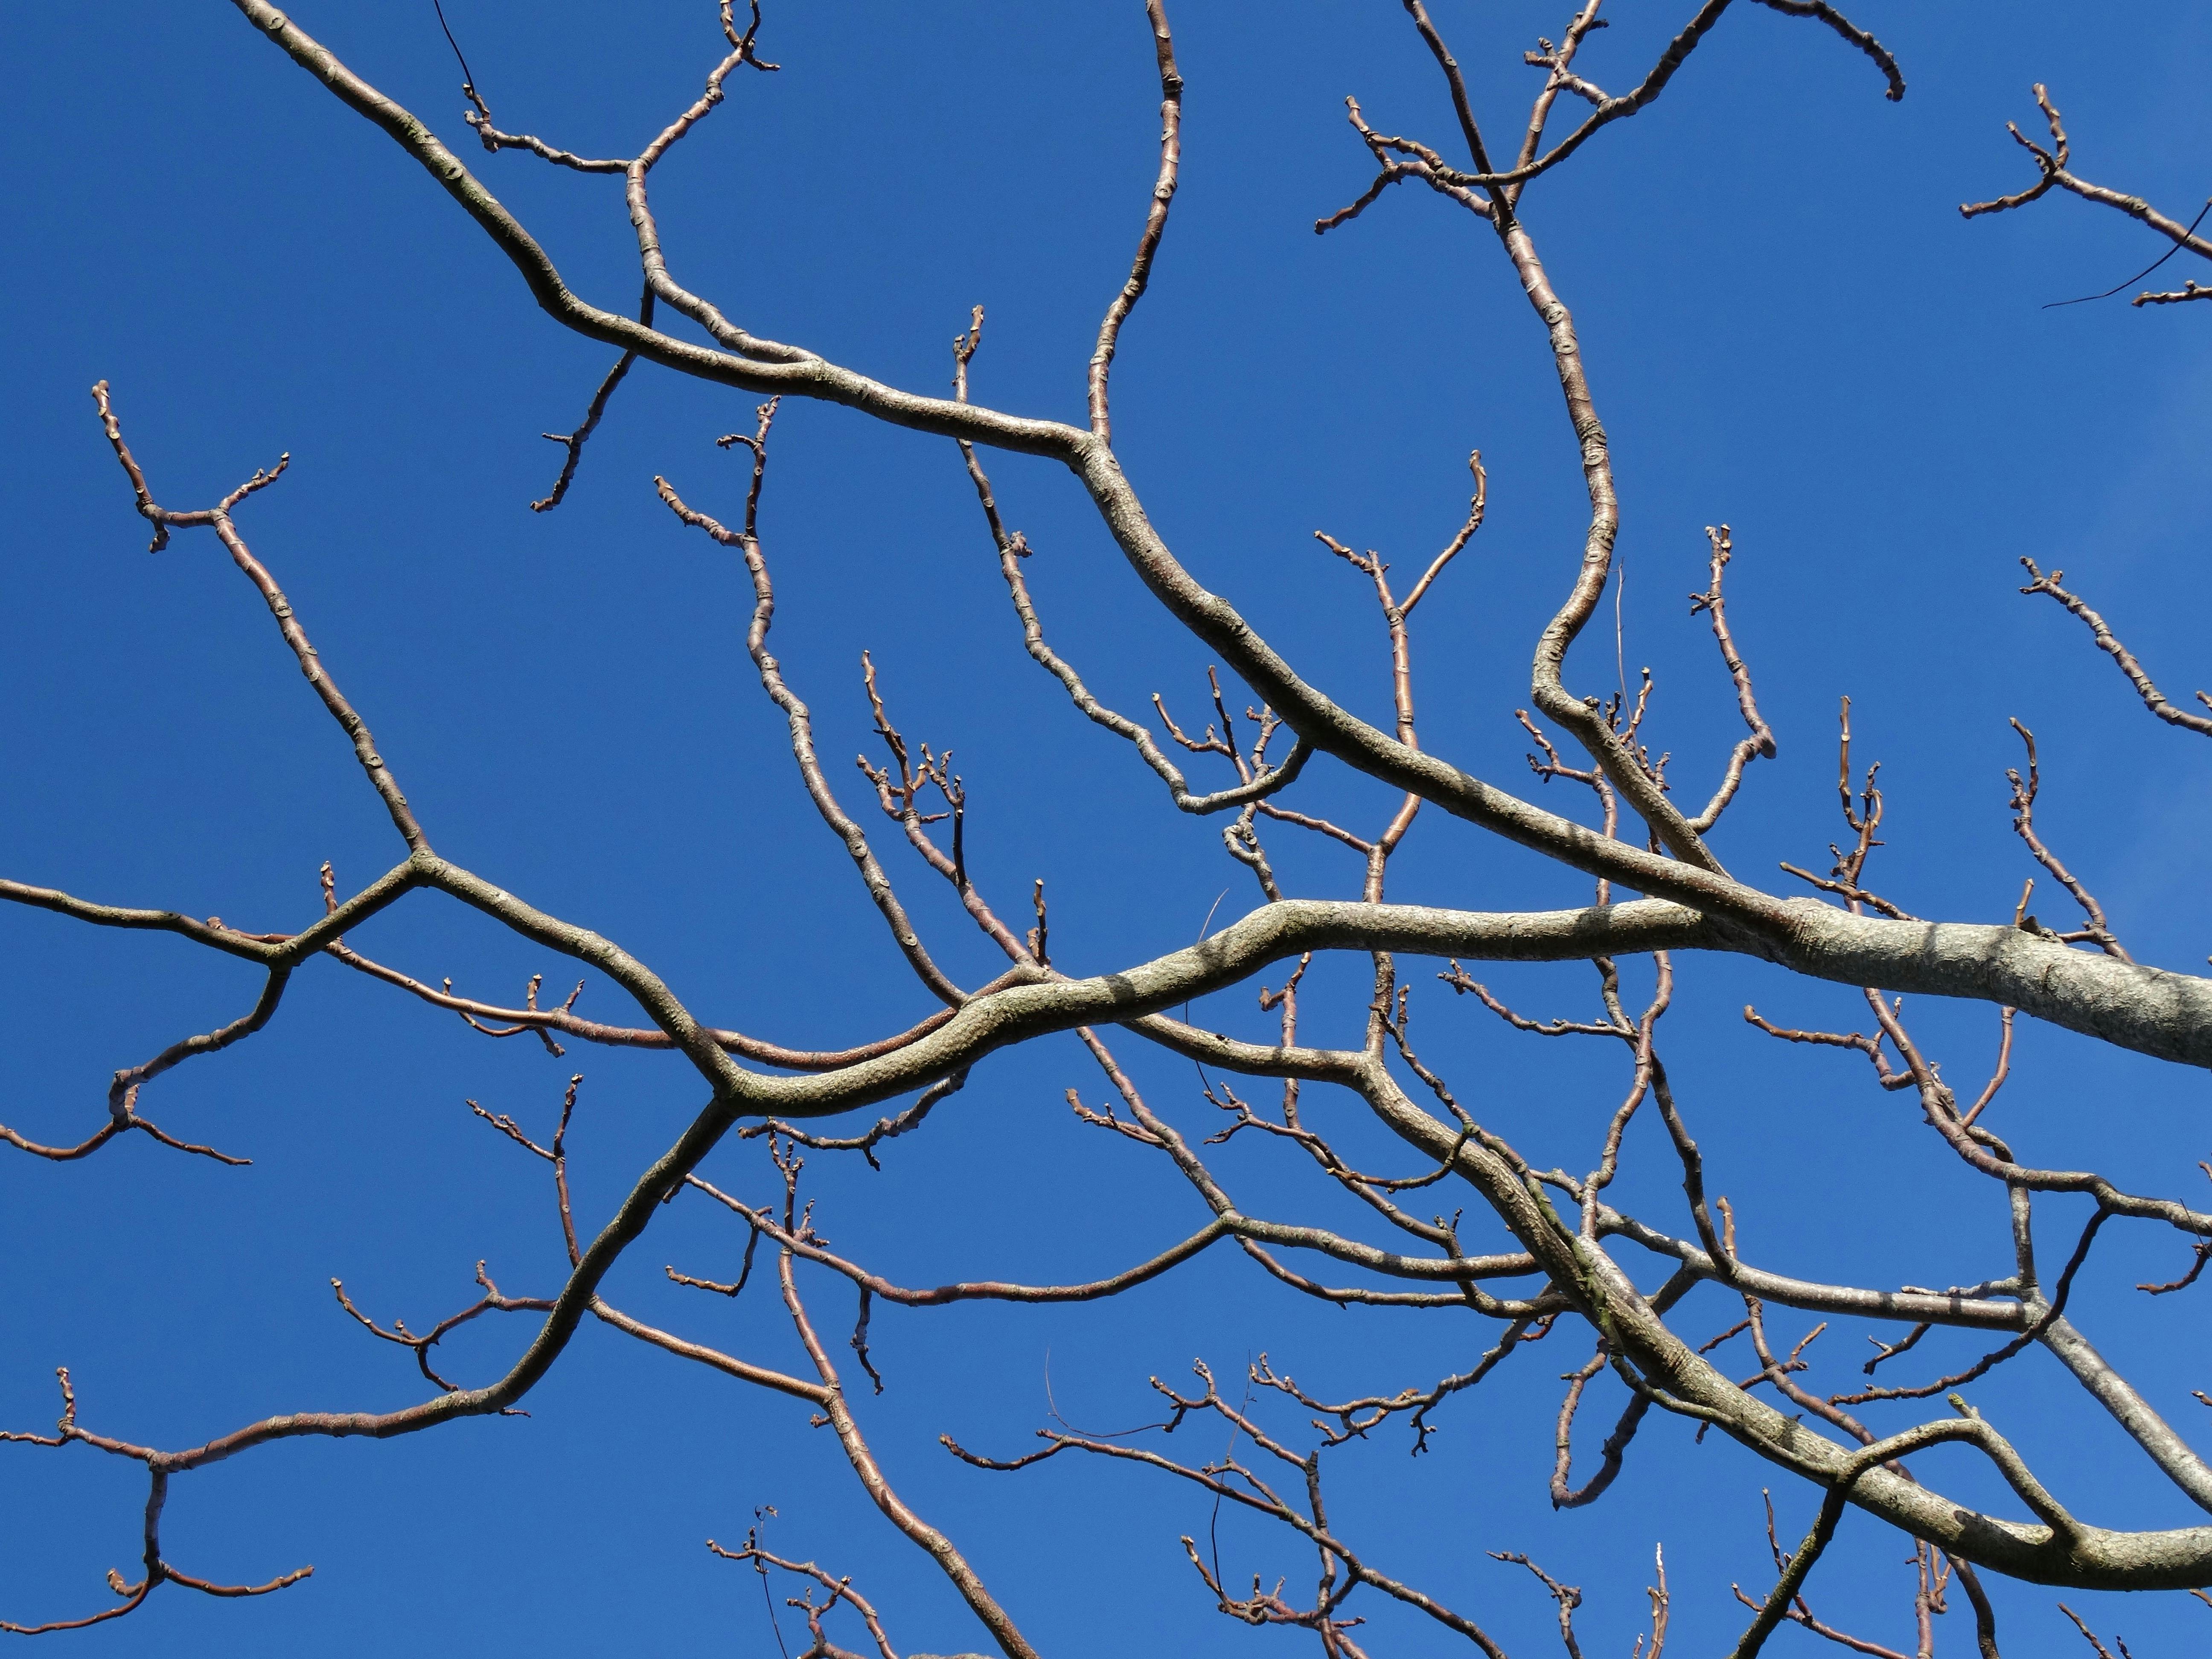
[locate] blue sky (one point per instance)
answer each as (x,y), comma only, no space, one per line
(1788,329)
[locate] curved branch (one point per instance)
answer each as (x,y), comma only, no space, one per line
(800,720)
(2107,641)
(1156,220)
(1678,49)
(311,663)
(566,1021)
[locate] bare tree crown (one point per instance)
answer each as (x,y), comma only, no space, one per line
(1661,1307)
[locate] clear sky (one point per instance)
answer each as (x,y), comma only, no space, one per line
(1789,329)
